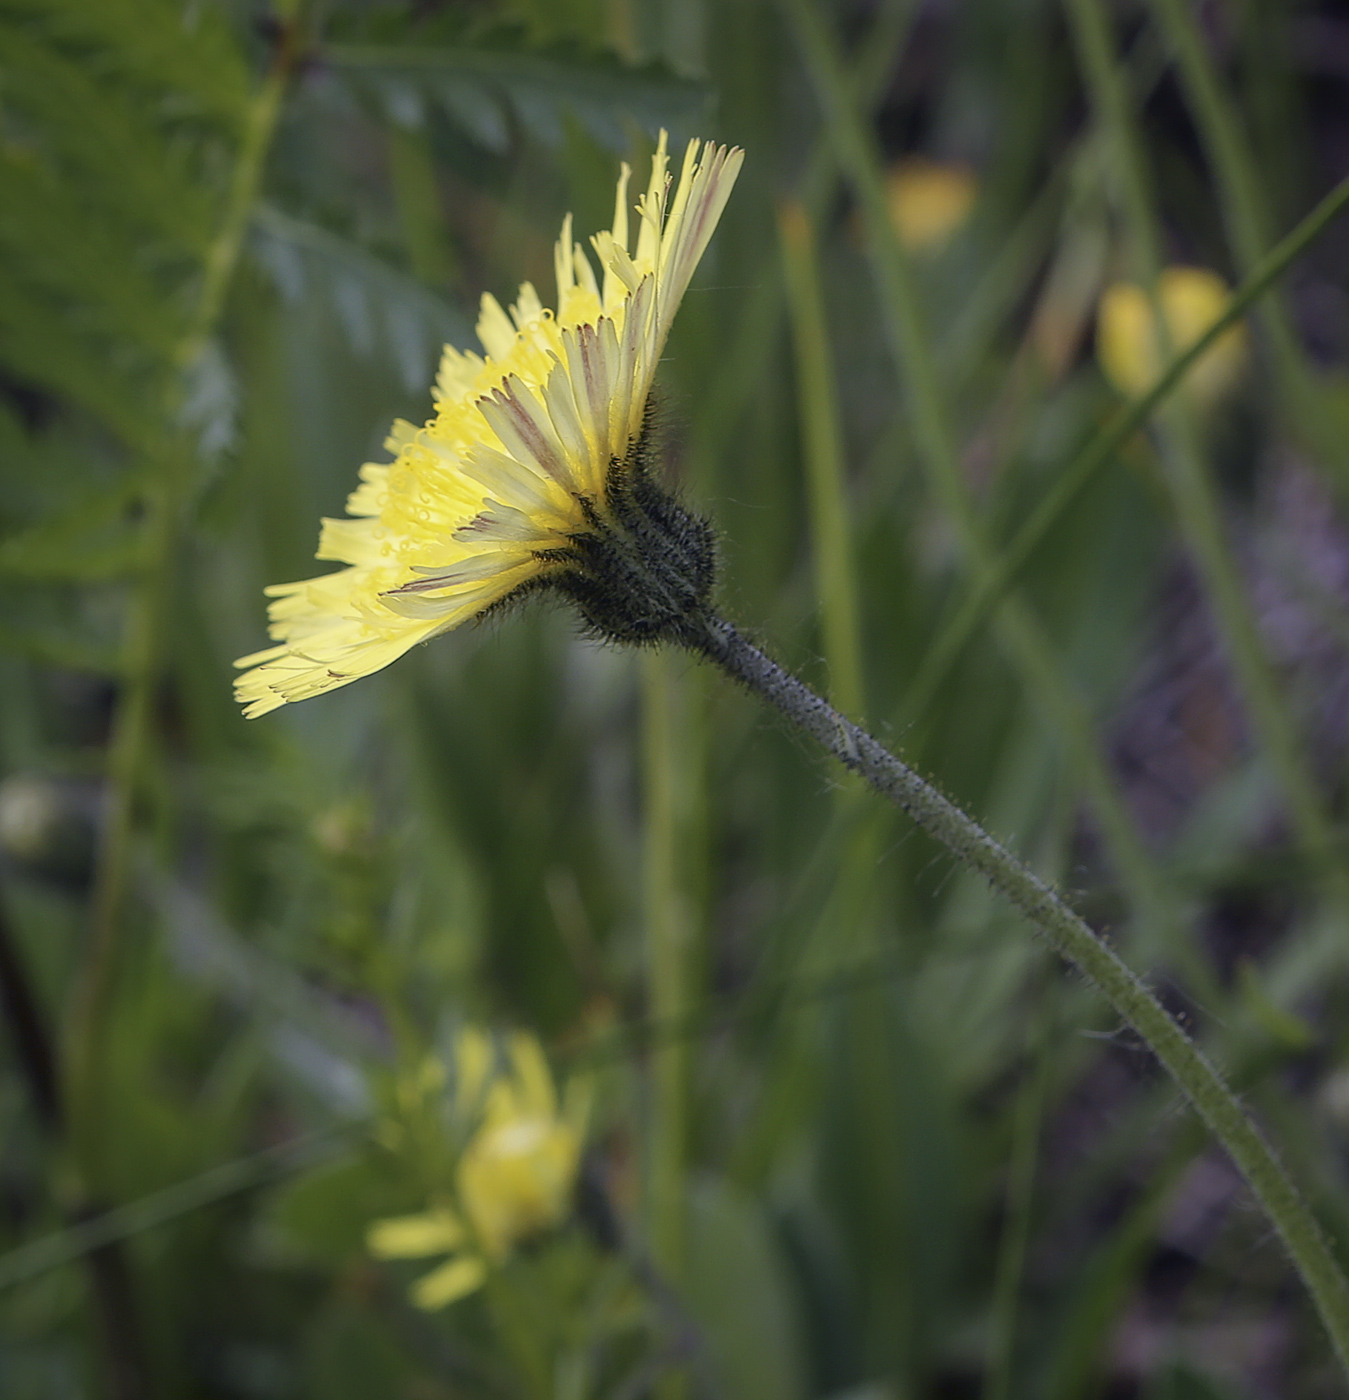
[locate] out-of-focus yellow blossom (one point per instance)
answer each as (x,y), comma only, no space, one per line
(521,464)
(1191,299)
(929,201)
(515,1176)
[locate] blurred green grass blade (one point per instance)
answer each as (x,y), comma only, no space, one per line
(1245,209)
(740,1293)
(666,917)
(822,449)
(757,323)
(1110,1275)
(1027,1127)
(1097,453)
(412,173)
(220,1183)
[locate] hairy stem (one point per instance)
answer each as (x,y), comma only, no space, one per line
(1074,940)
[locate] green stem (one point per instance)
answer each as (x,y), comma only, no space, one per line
(757,324)
(1025,642)
(1098,452)
(822,448)
(667,959)
(1197,508)
(1020,1201)
(1242,203)
(1074,940)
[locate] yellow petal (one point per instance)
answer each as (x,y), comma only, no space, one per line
(414,1236)
(449,1282)
(473,1064)
(533,1077)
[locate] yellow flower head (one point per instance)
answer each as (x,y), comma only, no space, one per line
(929,201)
(532,466)
(1191,299)
(515,1176)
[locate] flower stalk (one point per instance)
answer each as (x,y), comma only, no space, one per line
(1073,939)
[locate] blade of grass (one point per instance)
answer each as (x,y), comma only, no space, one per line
(1243,204)
(667,954)
(131,742)
(757,331)
(1027,1127)
(26,1263)
(822,448)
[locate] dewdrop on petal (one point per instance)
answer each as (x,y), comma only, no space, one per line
(1191,299)
(929,201)
(533,472)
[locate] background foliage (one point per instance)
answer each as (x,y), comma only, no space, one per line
(854,1134)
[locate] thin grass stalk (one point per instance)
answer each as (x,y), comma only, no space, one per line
(1074,940)
(1016,1229)
(759,318)
(822,450)
(667,973)
(1242,202)
(1195,499)
(1026,645)
(1098,452)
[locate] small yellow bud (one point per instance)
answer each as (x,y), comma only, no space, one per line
(929,201)
(1192,299)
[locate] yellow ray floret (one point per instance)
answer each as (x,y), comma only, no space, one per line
(472,503)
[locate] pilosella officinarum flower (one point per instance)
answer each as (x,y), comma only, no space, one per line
(534,471)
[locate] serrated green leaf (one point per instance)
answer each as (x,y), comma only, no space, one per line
(52,246)
(102,142)
(379,307)
(184,53)
(604,94)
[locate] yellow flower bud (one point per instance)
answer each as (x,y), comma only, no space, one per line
(1192,299)
(929,201)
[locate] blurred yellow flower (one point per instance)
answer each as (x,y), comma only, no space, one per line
(517,465)
(929,201)
(515,1176)
(1191,299)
